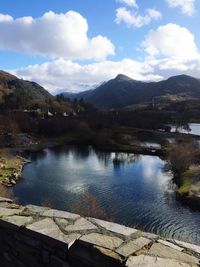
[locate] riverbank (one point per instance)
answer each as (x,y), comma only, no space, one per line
(126,140)
(189,187)
(11,167)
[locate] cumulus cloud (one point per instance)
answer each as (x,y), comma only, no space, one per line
(130,3)
(53,35)
(171,51)
(67,75)
(187,6)
(171,40)
(134,18)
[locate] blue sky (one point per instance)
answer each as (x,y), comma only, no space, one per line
(80,43)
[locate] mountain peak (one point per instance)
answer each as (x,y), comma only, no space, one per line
(122,77)
(181,76)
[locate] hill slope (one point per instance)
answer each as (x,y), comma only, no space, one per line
(10,84)
(124,91)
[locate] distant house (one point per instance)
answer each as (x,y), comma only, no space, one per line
(33,110)
(49,114)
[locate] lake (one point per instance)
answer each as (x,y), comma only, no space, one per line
(135,190)
(194,129)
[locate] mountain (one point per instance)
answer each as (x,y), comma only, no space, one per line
(124,91)
(10,84)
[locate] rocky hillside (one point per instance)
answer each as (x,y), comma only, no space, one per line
(10,84)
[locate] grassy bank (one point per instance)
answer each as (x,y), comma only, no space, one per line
(189,187)
(11,167)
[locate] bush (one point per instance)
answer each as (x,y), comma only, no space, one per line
(182,154)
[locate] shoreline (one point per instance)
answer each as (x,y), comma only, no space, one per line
(192,202)
(11,169)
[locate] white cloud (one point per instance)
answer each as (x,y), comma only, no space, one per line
(67,75)
(171,40)
(171,51)
(130,3)
(53,35)
(134,19)
(70,76)
(187,6)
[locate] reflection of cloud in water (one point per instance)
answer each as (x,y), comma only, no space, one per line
(153,171)
(77,187)
(92,163)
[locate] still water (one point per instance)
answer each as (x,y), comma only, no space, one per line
(194,128)
(137,189)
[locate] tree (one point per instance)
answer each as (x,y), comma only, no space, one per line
(182,154)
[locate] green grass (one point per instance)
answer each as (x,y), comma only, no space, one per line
(185,183)
(10,165)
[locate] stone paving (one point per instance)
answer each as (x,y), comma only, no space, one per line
(126,246)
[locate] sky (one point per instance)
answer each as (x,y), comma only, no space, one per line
(75,45)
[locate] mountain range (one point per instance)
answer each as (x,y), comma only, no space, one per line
(123,91)
(119,92)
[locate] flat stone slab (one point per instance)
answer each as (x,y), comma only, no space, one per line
(18,220)
(133,246)
(9,212)
(80,225)
(189,246)
(60,214)
(114,227)
(104,241)
(109,253)
(48,228)
(169,244)
(150,235)
(163,251)
(35,209)
(147,261)
(3,199)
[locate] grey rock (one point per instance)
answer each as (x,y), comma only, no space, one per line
(80,225)
(3,199)
(49,228)
(35,209)
(150,235)
(104,241)
(147,261)
(9,212)
(169,244)
(109,253)
(71,238)
(114,227)
(133,246)
(4,204)
(163,251)
(60,214)
(189,246)
(18,220)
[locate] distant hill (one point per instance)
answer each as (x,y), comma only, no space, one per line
(18,94)
(10,84)
(124,91)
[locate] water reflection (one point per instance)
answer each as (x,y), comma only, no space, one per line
(193,128)
(120,159)
(138,189)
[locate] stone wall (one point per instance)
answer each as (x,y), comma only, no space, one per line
(39,236)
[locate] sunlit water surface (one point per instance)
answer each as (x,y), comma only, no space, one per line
(136,190)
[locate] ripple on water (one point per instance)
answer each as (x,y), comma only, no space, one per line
(137,192)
